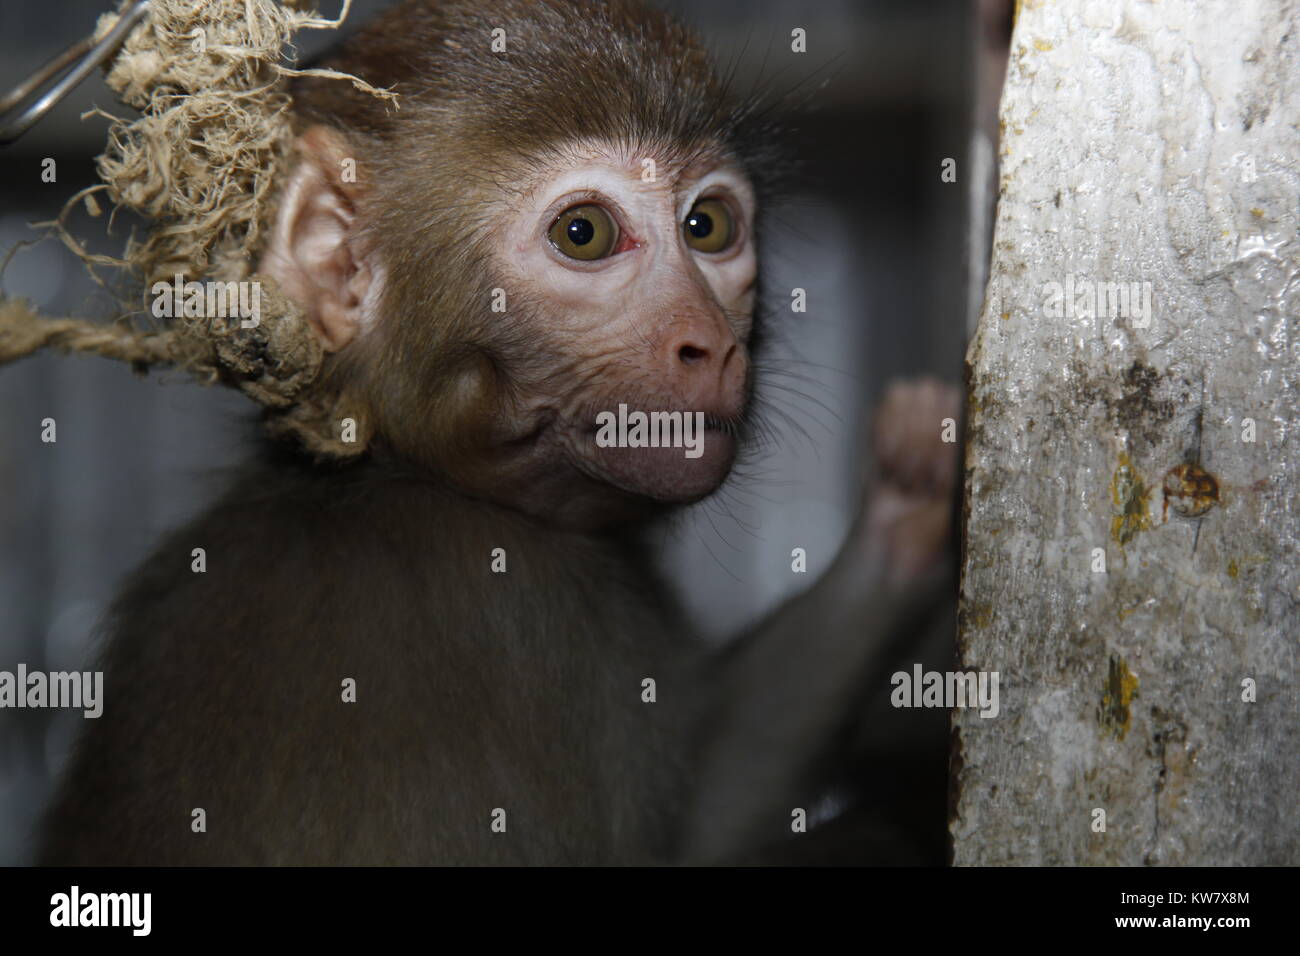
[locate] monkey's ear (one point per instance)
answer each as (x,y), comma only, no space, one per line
(315,252)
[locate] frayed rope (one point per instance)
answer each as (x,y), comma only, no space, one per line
(202,161)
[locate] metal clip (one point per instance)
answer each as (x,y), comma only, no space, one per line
(82,57)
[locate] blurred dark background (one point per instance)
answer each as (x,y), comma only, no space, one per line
(875,236)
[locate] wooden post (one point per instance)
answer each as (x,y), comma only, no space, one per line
(1132,513)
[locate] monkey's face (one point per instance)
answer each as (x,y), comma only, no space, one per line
(537,277)
(637,278)
(575,345)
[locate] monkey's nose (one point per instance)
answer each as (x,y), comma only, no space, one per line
(707,364)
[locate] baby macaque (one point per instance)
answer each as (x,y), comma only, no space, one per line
(455,649)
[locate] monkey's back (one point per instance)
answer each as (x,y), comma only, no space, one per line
(475,690)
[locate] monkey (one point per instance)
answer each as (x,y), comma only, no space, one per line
(454,649)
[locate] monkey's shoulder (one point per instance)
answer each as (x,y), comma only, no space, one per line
(317,553)
(422,593)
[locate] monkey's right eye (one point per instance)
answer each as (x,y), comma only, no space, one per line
(585,232)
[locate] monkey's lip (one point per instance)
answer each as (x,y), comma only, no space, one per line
(664,474)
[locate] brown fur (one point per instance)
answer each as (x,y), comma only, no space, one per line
(475,690)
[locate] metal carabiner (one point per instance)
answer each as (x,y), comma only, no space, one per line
(82,57)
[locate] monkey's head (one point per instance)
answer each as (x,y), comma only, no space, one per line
(558,221)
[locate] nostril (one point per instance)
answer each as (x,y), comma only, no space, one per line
(689,354)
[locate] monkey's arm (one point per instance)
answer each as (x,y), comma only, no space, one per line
(789,694)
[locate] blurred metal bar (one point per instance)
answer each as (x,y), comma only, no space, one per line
(82,57)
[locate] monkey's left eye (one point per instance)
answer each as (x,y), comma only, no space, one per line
(585,232)
(710,226)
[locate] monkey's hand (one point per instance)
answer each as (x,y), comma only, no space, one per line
(915,437)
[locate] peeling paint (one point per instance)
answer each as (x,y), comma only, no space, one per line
(977,616)
(1141,410)
(1131,498)
(1121,688)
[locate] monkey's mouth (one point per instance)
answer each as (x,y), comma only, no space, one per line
(670,457)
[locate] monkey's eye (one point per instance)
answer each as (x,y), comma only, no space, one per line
(709,227)
(585,232)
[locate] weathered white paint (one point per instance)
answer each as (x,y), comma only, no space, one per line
(1150,143)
